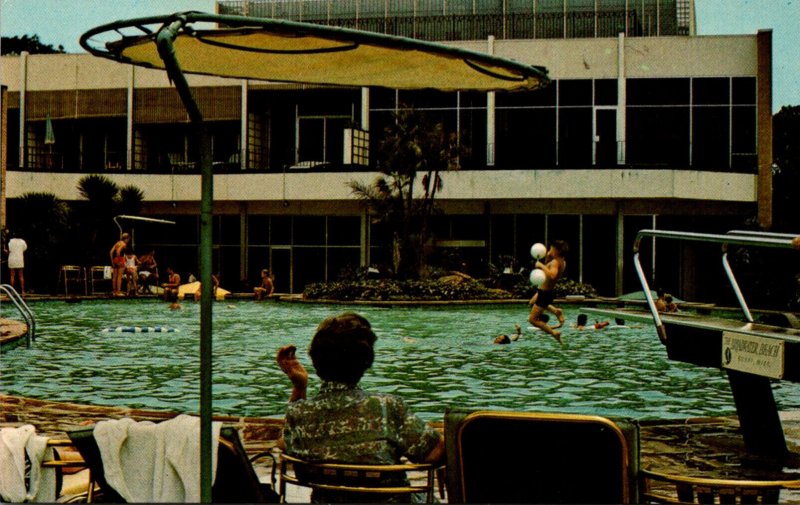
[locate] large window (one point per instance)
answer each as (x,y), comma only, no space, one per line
(461,114)
(703,123)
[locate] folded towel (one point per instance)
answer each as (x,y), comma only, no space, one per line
(14,444)
(147,462)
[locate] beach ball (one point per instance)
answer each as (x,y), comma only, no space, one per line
(537,277)
(538,251)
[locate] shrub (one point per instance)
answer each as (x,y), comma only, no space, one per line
(390,290)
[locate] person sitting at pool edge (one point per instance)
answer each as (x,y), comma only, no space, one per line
(172,284)
(266,288)
(342,422)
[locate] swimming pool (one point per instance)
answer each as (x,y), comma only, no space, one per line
(435,357)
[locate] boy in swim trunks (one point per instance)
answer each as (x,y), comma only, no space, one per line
(543,299)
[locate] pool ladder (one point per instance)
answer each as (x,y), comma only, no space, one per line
(22,307)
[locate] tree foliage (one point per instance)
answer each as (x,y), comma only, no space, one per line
(103,200)
(29,43)
(786,178)
(411,156)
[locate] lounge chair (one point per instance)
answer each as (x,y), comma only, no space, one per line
(236,480)
(522,457)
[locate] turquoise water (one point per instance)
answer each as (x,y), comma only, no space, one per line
(433,357)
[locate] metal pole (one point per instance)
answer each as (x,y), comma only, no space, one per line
(166,49)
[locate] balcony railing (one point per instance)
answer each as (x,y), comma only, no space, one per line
(440,20)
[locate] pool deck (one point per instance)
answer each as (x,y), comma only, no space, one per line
(700,447)
(11,331)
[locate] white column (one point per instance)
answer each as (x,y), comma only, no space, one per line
(243,127)
(490,114)
(365,109)
(129,119)
(622,100)
(23,92)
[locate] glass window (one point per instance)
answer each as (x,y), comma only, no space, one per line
(502,238)
(382,98)
(673,91)
(658,136)
(226,230)
(574,92)
(428,99)
(575,137)
(258,230)
(710,143)
(280,230)
(525,138)
(530,229)
(309,266)
(710,91)
(309,230)
(344,230)
(605,92)
(744,90)
(473,138)
(540,97)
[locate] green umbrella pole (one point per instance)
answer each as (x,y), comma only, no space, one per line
(166,50)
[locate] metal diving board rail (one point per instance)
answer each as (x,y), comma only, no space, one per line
(752,354)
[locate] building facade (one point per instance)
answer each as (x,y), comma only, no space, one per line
(643,125)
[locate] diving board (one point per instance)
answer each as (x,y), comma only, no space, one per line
(752,354)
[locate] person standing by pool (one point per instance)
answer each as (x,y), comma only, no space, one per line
(543,299)
(16,261)
(117,255)
(344,423)
(266,288)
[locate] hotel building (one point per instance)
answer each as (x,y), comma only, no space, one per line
(645,124)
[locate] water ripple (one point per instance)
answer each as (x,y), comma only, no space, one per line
(435,358)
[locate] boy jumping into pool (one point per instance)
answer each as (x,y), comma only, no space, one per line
(543,299)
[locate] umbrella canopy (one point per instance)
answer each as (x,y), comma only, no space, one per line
(49,136)
(286,51)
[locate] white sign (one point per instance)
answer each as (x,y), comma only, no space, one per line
(752,354)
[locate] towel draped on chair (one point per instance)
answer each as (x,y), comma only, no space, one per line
(15,443)
(148,462)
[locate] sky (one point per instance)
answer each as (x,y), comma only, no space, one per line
(61,22)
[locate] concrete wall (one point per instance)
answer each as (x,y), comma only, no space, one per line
(496,185)
(734,55)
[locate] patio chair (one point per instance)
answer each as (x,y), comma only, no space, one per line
(659,487)
(525,457)
(75,274)
(99,274)
(364,483)
(236,480)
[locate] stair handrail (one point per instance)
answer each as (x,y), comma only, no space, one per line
(23,308)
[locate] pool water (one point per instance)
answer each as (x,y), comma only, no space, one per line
(434,357)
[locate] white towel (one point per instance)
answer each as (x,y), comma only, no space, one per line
(147,462)
(14,444)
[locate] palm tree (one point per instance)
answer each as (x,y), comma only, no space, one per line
(411,145)
(103,200)
(42,220)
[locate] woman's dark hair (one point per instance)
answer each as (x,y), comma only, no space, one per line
(582,319)
(342,348)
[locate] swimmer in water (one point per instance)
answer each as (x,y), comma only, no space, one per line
(506,339)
